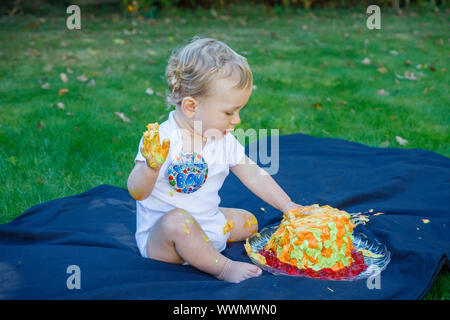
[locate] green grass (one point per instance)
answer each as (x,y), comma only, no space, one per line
(298,60)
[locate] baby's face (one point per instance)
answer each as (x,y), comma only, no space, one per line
(219,112)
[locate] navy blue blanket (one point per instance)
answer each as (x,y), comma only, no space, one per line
(94,230)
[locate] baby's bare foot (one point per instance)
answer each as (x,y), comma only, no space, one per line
(235,271)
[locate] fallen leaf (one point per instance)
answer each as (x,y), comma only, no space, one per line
(262,209)
(12,160)
(408,62)
(242,22)
(95,73)
(61,105)
(48,68)
(426,221)
(366,61)
(69,70)
(92,51)
(151,52)
(63,91)
(341,103)
(439,42)
(149,91)
(39,180)
(82,78)
(432,68)
(382,70)
(384,144)
(70,114)
(122,116)
(119,41)
(330,289)
(41,125)
(382,92)
(408,76)
(129,33)
(45,85)
(318,106)
(63,77)
(275,35)
(371,210)
(401,141)
(426,90)
(378,213)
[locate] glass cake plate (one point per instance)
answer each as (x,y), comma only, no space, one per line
(360,241)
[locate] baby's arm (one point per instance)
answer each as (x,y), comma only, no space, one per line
(143,177)
(141,180)
(262,184)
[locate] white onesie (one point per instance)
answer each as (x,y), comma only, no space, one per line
(203,204)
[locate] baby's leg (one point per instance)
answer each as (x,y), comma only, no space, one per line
(241,223)
(177,237)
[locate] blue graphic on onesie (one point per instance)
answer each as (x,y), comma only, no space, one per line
(187,172)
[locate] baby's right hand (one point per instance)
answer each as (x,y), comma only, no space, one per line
(152,150)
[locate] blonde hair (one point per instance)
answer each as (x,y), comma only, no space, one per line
(192,67)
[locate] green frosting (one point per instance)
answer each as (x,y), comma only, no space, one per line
(322,262)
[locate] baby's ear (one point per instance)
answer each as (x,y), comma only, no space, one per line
(188,106)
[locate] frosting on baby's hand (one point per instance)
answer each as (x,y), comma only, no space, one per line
(152,150)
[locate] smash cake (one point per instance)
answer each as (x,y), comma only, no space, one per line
(314,241)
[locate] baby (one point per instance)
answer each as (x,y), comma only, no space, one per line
(182,165)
